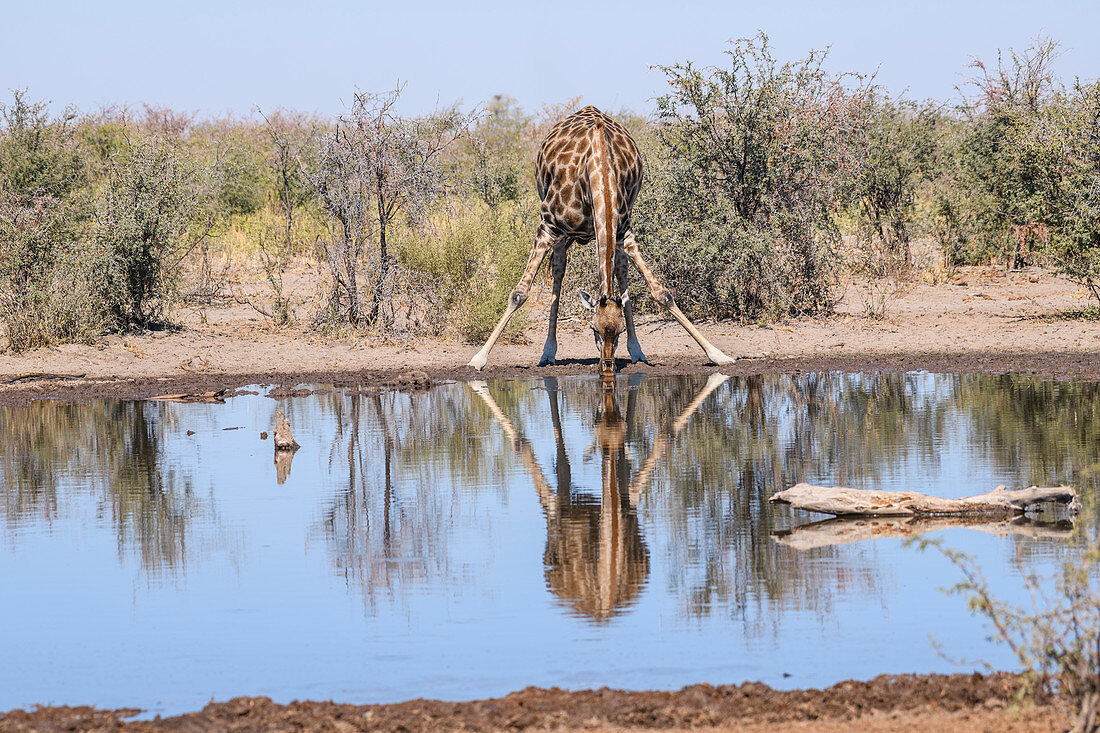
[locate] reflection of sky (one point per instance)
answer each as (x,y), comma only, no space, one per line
(265,603)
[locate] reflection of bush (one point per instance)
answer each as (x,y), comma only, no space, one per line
(707,499)
(49,452)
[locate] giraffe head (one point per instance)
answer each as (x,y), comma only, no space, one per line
(608,323)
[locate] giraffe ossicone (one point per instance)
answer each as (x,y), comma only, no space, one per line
(588,174)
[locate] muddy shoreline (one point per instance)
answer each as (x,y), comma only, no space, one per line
(25,387)
(961,700)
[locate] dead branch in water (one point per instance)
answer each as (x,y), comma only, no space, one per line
(845,502)
(217,397)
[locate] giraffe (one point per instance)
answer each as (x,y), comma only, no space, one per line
(588,173)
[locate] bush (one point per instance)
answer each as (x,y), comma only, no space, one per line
(899,146)
(44,275)
(1066,138)
(743,183)
(475,262)
(154,208)
(47,293)
(372,168)
(993,177)
(242,188)
(38,158)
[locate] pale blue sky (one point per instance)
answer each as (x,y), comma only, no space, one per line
(219,56)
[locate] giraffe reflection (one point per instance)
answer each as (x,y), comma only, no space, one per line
(596,558)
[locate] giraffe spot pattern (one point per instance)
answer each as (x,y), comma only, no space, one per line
(567,159)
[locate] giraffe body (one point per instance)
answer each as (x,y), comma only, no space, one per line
(588,174)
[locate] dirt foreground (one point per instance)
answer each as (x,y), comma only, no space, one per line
(984,320)
(887,703)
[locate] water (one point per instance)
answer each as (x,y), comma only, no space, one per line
(478,538)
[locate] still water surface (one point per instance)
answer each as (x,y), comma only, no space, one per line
(481,537)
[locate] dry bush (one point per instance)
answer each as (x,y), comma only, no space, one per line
(880,268)
(474,262)
(372,168)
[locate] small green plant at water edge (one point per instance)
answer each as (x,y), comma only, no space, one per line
(1057,641)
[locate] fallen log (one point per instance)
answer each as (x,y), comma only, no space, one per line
(209,397)
(844,530)
(845,502)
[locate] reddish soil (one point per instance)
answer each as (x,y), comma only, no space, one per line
(907,702)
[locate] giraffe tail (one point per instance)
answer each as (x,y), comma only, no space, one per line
(604,185)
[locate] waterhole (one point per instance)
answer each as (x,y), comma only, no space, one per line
(480,537)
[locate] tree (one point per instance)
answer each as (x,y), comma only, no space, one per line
(372,167)
(292,137)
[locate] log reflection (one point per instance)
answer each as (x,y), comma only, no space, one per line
(842,530)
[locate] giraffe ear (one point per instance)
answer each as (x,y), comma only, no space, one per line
(588,301)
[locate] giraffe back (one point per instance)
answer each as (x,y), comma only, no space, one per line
(563,168)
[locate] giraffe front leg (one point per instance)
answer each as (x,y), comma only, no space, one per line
(622,274)
(543,241)
(664,297)
(557,266)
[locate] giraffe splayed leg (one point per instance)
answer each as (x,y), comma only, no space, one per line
(622,275)
(664,296)
(544,240)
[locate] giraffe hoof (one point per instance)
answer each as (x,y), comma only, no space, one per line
(719,358)
(548,362)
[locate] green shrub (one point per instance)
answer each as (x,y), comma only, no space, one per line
(47,290)
(992,189)
(476,261)
(44,272)
(38,157)
(242,185)
(742,185)
(1066,138)
(154,207)
(899,148)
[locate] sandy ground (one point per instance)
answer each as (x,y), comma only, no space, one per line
(984,320)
